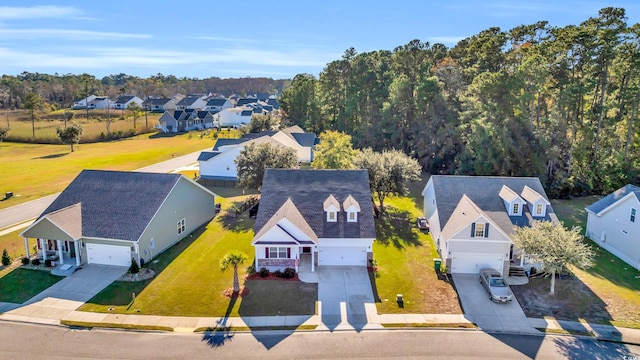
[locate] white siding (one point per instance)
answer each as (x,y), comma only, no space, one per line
(222,164)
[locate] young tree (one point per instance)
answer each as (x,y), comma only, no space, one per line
(255,158)
(261,122)
(71,135)
(554,246)
(233,259)
(134,109)
(68,115)
(335,151)
(32,102)
(6,259)
(4,132)
(389,172)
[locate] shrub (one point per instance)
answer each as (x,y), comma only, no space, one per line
(134,268)
(47,263)
(35,262)
(289,273)
(6,259)
(277,273)
(264,272)
(25,261)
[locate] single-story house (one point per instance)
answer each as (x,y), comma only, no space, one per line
(192,102)
(160,105)
(472,219)
(111,217)
(235,116)
(123,102)
(101,102)
(217,104)
(613,223)
(82,103)
(321,216)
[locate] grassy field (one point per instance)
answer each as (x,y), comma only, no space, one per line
(35,170)
(21,284)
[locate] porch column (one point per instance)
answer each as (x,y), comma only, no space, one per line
(43,246)
(522,258)
(60,257)
(256,265)
(76,246)
(26,247)
(313,260)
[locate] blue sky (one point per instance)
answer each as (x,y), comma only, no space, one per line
(278,38)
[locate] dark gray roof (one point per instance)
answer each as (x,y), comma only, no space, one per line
(188,100)
(308,189)
(115,204)
(216,102)
(123,99)
(305,139)
(245,101)
(246,113)
(161,101)
(483,191)
(206,155)
(259,134)
(274,103)
(610,199)
(225,142)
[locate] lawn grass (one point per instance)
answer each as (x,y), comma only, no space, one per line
(404,256)
(15,245)
(22,284)
(278,298)
(32,171)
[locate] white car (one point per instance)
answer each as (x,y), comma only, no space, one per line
(498,289)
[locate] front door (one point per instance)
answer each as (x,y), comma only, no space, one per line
(306,250)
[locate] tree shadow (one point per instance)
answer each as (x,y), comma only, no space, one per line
(581,348)
(236,223)
(52,156)
(221,333)
(396,227)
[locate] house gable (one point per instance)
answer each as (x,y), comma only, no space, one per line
(513,203)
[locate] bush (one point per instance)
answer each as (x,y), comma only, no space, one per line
(6,259)
(289,273)
(134,268)
(47,263)
(278,273)
(264,272)
(25,261)
(35,262)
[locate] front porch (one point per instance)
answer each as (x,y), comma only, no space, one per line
(307,273)
(59,252)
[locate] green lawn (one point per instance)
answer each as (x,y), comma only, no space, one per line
(14,245)
(21,284)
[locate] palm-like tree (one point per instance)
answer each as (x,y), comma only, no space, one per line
(234,259)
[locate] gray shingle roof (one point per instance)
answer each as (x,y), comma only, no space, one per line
(259,134)
(115,204)
(206,155)
(216,102)
(308,189)
(123,99)
(225,142)
(610,199)
(484,192)
(306,139)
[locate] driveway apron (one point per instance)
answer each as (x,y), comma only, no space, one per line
(343,292)
(489,316)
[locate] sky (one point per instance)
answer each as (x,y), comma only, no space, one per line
(223,38)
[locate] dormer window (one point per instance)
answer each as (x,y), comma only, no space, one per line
(539,208)
(331,207)
(352,208)
(537,203)
(513,203)
(516,208)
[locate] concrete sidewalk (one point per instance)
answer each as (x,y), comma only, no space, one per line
(53,311)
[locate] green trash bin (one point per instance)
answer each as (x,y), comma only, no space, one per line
(436,264)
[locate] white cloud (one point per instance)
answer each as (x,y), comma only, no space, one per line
(37,12)
(68,34)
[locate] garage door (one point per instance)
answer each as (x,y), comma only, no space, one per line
(109,254)
(472,263)
(342,256)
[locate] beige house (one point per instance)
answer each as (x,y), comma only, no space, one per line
(112,217)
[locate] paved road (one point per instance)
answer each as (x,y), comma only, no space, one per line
(35,342)
(30,210)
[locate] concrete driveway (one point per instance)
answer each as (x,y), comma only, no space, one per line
(82,285)
(489,316)
(345,296)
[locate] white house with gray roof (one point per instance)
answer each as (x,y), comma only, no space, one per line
(613,223)
(324,217)
(472,218)
(111,217)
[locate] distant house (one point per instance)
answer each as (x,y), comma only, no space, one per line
(324,217)
(82,103)
(123,101)
(274,103)
(472,219)
(101,102)
(112,217)
(217,105)
(186,120)
(160,105)
(192,102)
(235,116)
(245,101)
(613,222)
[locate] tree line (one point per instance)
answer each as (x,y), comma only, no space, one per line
(559,103)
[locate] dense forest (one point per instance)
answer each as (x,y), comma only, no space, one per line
(559,103)
(60,91)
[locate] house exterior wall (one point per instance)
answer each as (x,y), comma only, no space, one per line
(167,122)
(229,117)
(276,264)
(45,226)
(222,164)
(187,201)
(614,223)
(430,210)
(226,105)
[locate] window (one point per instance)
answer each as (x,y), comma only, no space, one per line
(539,209)
(181,226)
(516,207)
(331,216)
(276,252)
(632,218)
(479,230)
(352,217)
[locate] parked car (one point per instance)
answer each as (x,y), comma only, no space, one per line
(498,289)
(423,225)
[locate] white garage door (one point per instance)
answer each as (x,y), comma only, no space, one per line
(473,263)
(342,256)
(109,254)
